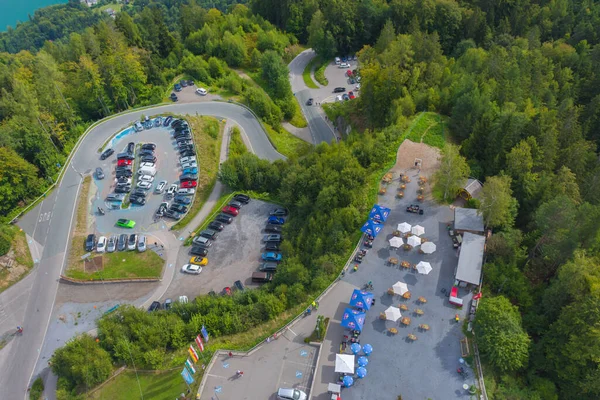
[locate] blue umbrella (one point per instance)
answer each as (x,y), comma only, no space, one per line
(368,349)
(348,381)
(371,228)
(361,372)
(363,361)
(355,348)
(379,213)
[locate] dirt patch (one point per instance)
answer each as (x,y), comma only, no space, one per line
(92,265)
(15,264)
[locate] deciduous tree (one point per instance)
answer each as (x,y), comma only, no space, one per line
(452,173)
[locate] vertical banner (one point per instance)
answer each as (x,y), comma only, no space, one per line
(193,353)
(187,377)
(190,366)
(204,333)
(199,343)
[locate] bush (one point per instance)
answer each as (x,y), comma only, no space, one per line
(4,244)
(37,389)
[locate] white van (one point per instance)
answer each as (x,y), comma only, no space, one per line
(339,98)
(145,170)
(186,191)
(337,61)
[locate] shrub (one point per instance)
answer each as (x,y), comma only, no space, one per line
(4,244)
(37,389)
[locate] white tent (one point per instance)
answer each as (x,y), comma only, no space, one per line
(344,363)
(396,242)
(404,227)
(400,288)
(414,241)
(428,247)
(424,267)
(393,314)
(418,230)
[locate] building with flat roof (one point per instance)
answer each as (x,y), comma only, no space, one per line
(470,260)
(468,220)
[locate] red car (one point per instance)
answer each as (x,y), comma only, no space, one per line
(188,184)
(230,210)
(351,95)
(348,73)
(123,162)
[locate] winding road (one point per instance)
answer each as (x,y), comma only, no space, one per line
(48,227)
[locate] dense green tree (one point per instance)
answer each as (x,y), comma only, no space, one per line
(452,174)
(319,38)
(498,207)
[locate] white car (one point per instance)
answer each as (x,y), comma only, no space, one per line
(291,394)
(131,241)
(101,246)
(344,65)
(112,244)
(191,269)
(146,178)
(191,164)
(184,160)
(357,88)
(146,164)
(172,190)
(186,191)
(160,187)
(141,245)
(202,91)
(183,299)
(144,185)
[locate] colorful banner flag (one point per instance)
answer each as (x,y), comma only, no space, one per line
(193,353)
(190,366)
(199,343)
(204,333)
(187,377)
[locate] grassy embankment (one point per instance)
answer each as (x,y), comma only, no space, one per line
(306,74)
(19,255)
(320,72)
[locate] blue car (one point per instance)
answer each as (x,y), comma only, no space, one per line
(271,257)
(177,87)
(192,171)
(275,220)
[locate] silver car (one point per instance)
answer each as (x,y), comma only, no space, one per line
(291,394)
(112,244)
(141,244)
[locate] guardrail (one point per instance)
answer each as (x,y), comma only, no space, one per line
(111,280)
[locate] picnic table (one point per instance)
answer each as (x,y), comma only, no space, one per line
(400,195)
(406,295)
(422,300)
(393,261)
(405,264)
(424,327)
(405,178)
(405,321)
(411,336)
(403,307)
(393,331)
(418,311)
(382,190)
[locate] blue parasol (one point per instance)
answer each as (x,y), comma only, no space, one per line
(361,372)
(353,319)
(355,348)
(361,299)
(363,361)
(379,213)
(348,381)
(367,349)
(371,228)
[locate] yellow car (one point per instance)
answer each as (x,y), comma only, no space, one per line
(199,261)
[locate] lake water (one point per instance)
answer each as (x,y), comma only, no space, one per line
(12,11)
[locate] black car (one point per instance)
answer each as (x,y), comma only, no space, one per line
(182,128)
(139,193)
(199,251)
(130,147)
(148,146)
(177,87)
(137,200)
(279,212)
(123,189)
(168,304)
(155,306)
(190,83)
(187,153)
(173,97)
(180,208)
(239,285)
(339,90)
(216,226)
(146,153)
(125,156)
(123,179)
(124,168)
(186,150)
(182,134)
(242,198)
(183,140)
(90,242)
(235,204)
(106,153)
(273,228)
(224,218)
(176,123)
(188,177)
(151,159)
(173,215)
(309,102)
(272,246)
(122,244)
(124,174)
(161,209)
(168,121)
(185,200)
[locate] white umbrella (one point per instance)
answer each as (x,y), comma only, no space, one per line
(396,242)
(418,230)
(428,247)
(400,288)
(344,363)
(404,227)
(393,314)
(414,241)
(424,267)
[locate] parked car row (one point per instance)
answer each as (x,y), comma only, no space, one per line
(178,87)
(112,243)
(156,306)
(271,256)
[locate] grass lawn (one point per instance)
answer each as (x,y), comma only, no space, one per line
(320,72)
(208,133)
(115,6)
(236,144)
(429,128)
(162,386)
(124,264)
(77,248)
(286,143)
(306,74)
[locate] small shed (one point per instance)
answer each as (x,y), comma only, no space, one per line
(471,189)
(470,260)
(468,220)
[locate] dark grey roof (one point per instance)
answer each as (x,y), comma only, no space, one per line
(468,219)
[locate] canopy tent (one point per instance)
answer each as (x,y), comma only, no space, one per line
(413,241)
(404,227)
(344,363)
(353,319)
(361,299)
(417,230)
(428,247)
(393,314)
(424,267)
(379,213)
(371,228)
(400,288)
(396,242)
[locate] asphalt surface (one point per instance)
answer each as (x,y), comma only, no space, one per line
(49,225)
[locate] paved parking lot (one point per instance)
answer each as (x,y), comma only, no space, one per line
(425,368)
(234,255)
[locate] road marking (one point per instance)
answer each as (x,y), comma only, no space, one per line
(303,353)
(289,329)
(225,365)
(298,374)
(218,389)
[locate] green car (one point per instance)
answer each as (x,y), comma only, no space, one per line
(126,223)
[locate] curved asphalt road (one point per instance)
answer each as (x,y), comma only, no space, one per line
(50,224)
